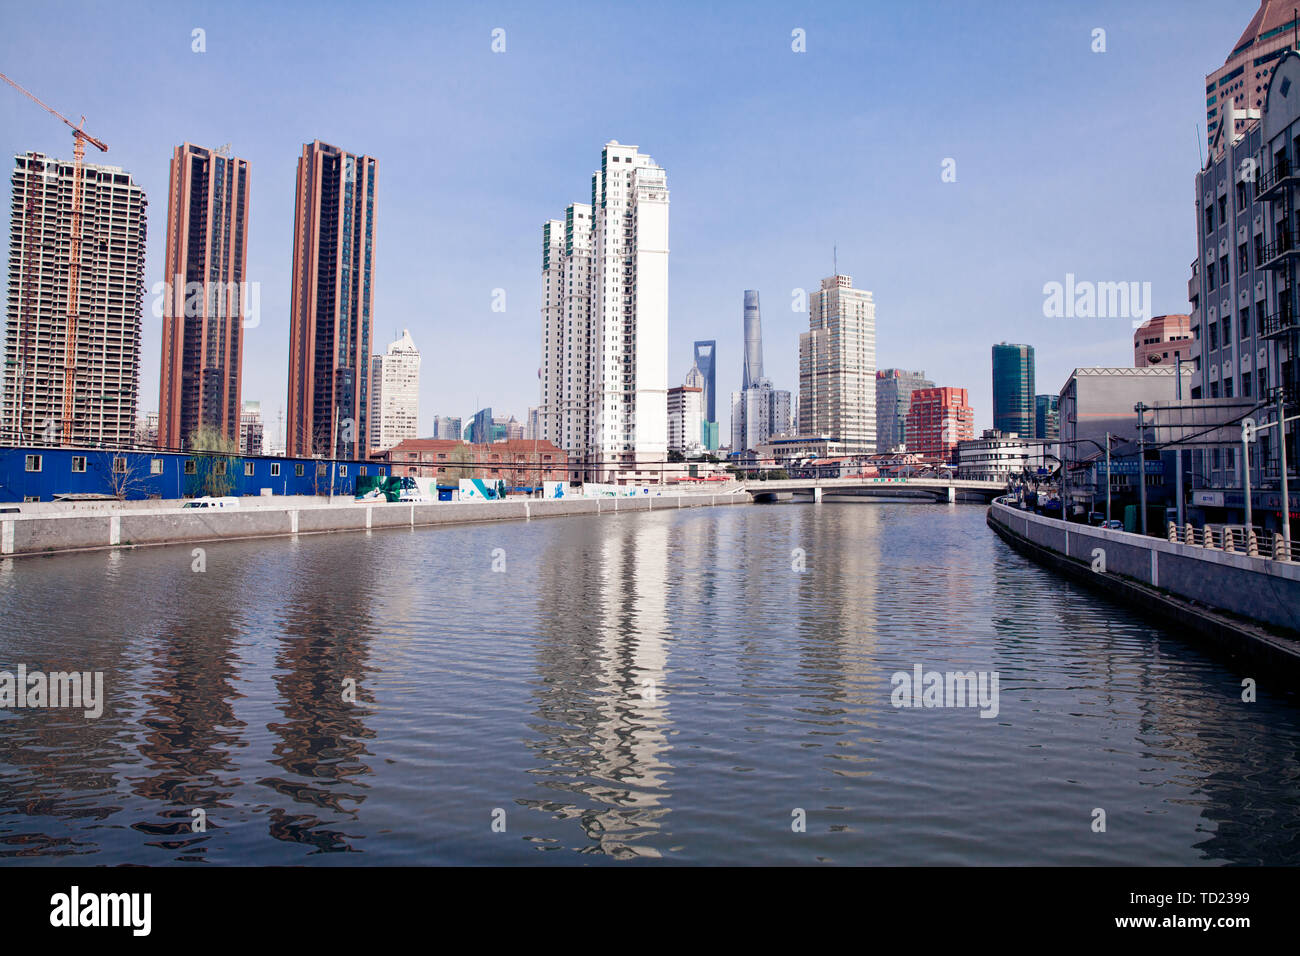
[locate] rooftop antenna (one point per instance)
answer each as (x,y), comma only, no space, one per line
(1200,158)
(835,259)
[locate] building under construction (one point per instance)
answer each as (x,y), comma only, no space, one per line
(104,374)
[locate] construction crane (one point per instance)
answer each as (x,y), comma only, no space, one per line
(79,140)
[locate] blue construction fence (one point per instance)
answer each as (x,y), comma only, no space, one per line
(41,474)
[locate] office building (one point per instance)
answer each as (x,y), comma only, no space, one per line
(102,387)
(837,366)
(758,414)
(894,388)
(1162,339)
(479,431)
(395,394)
(204,274)
(997,456)
(1098,405)
(937,421)
(685,419)
(1013,388)
(706,360)
(753,370)
(758,411)
(250,429)
(1047,417)
(447,427)
(1243,79)
(604,372)
(331,303)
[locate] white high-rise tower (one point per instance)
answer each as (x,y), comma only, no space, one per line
(604,373)
(837,366)
(395,394)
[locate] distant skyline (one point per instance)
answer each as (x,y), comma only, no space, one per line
(777,157)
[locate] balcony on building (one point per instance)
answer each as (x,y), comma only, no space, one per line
(1273,182)
(1281,322)
(1283,248)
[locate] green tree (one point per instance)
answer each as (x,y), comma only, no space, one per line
(217,462)
(459,463)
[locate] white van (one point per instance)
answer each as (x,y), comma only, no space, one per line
(207,502)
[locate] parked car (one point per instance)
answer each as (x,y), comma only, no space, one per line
(1113,524)
(227,501)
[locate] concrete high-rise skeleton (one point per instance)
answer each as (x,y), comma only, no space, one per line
(837,366)
(204,276)
(395,394)
(105,380)
(604,372)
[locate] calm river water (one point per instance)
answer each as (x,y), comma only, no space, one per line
(694,686)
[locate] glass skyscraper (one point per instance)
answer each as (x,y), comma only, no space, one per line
(1013,389)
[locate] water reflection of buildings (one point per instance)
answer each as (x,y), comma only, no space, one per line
(190,731)
(324,642)
(602,714)
(1174,710)
(55,615)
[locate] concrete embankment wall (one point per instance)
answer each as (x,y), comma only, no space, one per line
(1251,606)
(45,534)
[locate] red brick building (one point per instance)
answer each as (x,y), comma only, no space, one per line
(938,419)
(519,462)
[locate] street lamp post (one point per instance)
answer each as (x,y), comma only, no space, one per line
(1247,436)
(1286,493)
(1141,408)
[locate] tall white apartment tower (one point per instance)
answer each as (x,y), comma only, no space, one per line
(565,411)
(395,394)
(609,407)
(837,366)
(105,375)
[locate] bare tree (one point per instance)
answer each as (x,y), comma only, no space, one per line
(124,474)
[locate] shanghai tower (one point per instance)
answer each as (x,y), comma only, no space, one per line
(753,342)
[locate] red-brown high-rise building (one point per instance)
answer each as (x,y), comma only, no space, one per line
(938,419)
(203,311)
(331,302)
(1156,341)
(1244,76)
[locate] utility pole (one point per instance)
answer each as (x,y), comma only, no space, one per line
(1178,471)
(1141,408)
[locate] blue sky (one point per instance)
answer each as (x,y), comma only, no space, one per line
(1067,161)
